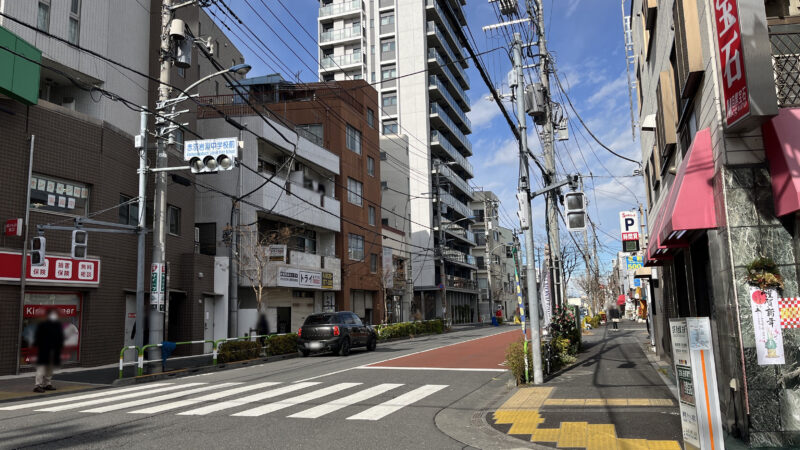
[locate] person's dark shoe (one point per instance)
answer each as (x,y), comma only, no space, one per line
(49,387)
(38,389)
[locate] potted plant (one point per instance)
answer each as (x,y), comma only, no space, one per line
(763,272)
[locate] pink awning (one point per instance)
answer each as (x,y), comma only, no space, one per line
(690,204)
(656,253)
(782,145)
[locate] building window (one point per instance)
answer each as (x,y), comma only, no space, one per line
(355,247)
(174,220)
(179,139)
(354,191)
(43,18)
(390,126)
(387,45)
(372,216)
(74,21)
(389,100)
(181,72)
(373,263)
(353,139)
(480,262)
(314,132)
(207,242)
(49,194)
(371,117)
(128,211)
(370,166)
(387,19)
(389,73)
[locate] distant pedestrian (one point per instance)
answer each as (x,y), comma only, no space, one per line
(49,340)
(614,313)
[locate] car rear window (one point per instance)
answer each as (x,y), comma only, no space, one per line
(320,319)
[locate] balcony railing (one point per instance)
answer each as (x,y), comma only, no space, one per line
(457,256)
(453,37)
(456,180)
(340,34)
(438,138)
(785,40)
(337,61)
(434,55)
(461,283)
(460,232)
(433,29)
(451,127)
(456,204)
(435,82)
(340,8)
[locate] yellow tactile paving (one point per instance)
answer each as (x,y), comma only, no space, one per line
(639,402)
(546,435)
(661,402)
(573,434)
(632,444)
(527,398)
(617,401)
(607,402)
(595,402)
(601,437)
(663,445)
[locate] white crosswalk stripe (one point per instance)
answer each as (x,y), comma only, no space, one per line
(156,399)
(272,407)
(206,398)
(58,400)
(249,399)
(117,397)
(384,409)
(236,399)
(335,405)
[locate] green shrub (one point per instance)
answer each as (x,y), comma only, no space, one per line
(282,344)
(404,329)
(238,351)
(515,360)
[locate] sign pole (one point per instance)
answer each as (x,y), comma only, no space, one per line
(24,270)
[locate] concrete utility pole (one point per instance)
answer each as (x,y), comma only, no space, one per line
(141,236)
(524,188)
(156,314)
(596,282)
(442,271)
(586,259)
(551,198)
(487,227)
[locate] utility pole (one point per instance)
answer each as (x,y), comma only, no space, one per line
(156,314)
(551,199)
(524,188)
(596,278)
(586,259)
(442,271)
(141,237)
(23,273)
(487,228)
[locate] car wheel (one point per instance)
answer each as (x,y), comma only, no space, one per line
(372,344)
(305,353)
(344,347)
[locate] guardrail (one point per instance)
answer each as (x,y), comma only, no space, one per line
(140,361)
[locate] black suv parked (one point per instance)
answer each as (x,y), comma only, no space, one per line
(336,332)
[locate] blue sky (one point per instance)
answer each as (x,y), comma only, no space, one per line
(586,39)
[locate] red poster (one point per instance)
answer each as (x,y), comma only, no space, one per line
(731,59)
(58,270)
(35,314)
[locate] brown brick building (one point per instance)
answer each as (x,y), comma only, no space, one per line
(339,116)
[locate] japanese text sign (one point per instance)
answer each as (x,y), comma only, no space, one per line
(731,58)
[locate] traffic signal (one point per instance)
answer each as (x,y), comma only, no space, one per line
(37,251)
(522,211)
(575,208)
(211,163)
(80,239)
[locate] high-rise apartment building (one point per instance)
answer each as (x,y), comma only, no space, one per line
(410,51)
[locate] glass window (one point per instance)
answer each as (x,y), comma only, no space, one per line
(43,17)
(314,132)
(179,139)
(387,18)
(353,139)
(372,215)
(355,247)
(128,210)
(370,117)
(181,72)
(74,22)
(354,191)
(354,319)
(373,263)
(370,166)
(75,7)
(387,45)
(388,73)
(207,244)
(390,127)
(321,319)
(174,220)
(50,194)
(389,100)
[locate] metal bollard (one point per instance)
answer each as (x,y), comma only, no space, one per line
(122,356)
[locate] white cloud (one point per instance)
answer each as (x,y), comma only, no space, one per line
(572,7)
(483,112)
(610,91)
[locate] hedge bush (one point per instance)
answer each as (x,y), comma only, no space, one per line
(515,360)
(283,344)
(238,351)
(404,329)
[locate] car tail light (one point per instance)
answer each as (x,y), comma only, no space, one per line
(335,330)
(300,332)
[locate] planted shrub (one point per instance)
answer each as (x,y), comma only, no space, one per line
(238,351)
(404,329)
(515,360)
(282,344)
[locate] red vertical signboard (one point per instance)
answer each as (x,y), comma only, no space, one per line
(731,60)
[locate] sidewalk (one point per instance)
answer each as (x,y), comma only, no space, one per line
(613,398)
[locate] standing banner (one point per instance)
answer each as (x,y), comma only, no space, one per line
(767,326)
(693,357)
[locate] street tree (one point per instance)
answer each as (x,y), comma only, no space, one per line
(254,255)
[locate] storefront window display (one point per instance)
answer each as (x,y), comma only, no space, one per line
(36,306)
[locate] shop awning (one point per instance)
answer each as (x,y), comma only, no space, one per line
(690,204)
(782,146)
(656,253)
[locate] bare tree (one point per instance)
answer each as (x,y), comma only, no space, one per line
(253,256)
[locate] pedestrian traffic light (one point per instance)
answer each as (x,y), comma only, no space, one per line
(522,211)
(80,239)
(575,208)
(37,251)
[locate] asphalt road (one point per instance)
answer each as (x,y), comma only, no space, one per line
(322,401)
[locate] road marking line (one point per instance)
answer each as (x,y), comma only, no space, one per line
(117,397)
(205,398)
(326,374)
(272,407)
(145,401)
(463,369)
(335,405)
(384,409)
(245,400)
(80,397)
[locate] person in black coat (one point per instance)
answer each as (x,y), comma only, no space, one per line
(49,340)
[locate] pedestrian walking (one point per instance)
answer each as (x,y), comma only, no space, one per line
(49,340)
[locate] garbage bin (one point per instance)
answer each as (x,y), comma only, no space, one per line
(495,322)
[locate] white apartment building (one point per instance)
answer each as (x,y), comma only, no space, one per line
(382,41)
